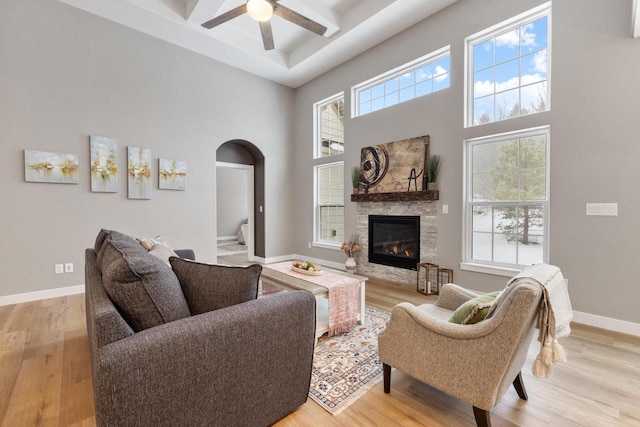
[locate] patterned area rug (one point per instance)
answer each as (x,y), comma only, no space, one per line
(347,366)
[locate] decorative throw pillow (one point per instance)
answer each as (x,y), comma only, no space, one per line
(209,287)
(149,243)
(163,253)
(102,236)
(474,310)
(145,290)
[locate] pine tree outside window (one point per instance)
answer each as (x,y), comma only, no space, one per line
(506,201)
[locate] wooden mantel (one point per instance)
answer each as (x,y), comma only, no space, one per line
(404,196)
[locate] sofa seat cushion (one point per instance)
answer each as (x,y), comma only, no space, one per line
(209,287)
(143,288)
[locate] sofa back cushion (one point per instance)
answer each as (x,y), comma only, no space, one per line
(143,288)
(100,239)
(209,287)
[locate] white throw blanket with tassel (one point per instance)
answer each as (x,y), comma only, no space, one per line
(554,317)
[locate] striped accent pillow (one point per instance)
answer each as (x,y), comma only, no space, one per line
(148,243)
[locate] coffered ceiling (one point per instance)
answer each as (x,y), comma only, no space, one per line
(353,26)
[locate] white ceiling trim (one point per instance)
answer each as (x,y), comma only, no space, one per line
(239,44)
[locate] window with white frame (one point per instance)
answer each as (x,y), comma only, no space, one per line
(329,196)
(329,126)
(506,201)
(420,77)
(507,68)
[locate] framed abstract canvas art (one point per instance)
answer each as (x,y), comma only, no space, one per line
(139,173)
(55,168)
(104,164)
(172,174)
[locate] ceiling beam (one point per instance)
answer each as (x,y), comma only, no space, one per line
(635,24)
(199,11)
(316,11)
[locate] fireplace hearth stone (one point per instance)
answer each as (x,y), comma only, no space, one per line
(426,210)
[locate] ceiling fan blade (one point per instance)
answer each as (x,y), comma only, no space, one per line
(233,13)
(298,19)
(267,35)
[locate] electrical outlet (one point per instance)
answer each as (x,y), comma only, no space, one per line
(59,268)
(602,209)
(309,244)
(68,267)
(445,209)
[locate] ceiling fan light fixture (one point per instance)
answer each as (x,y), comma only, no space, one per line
(260,10)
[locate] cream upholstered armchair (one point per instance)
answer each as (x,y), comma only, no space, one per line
(475,363)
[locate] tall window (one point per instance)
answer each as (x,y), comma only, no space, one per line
(329,126)
(508,68)
(423,76)
(506,201)
(329,175)
(329,215)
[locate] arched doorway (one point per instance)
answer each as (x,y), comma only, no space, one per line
(242,155)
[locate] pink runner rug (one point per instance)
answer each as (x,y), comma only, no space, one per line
(344,296)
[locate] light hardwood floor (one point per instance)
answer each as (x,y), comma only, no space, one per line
(45,378)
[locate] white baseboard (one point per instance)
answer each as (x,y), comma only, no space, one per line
(227,237)
(273,259)
(607,323)
(39,295)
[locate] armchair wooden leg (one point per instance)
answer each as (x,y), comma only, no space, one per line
(386,375)
(483,418)
(519,386)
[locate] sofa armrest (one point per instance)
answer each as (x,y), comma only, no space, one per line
(453,296)
(186,254)
(104,322)
(247,364)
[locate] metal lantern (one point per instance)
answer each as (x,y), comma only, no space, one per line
(427,278)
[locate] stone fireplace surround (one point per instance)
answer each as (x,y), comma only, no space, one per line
(428,237)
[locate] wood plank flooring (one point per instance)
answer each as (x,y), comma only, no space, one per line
(45,378)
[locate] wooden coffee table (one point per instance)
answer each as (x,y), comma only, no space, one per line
(289,282)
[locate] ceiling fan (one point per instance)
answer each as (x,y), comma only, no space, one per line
(262,11)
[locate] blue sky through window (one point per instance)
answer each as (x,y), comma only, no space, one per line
(405,85)
(512,59)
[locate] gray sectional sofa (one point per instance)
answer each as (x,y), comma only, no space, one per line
(157,363)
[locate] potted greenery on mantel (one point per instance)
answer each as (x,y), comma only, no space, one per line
(355,178)
(433,168)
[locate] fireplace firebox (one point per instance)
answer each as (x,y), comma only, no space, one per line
(394,240)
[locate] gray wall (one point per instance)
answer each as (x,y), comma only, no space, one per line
(233,200)
(66,74)
(594,141)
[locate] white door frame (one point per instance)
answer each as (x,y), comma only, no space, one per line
(250,196)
